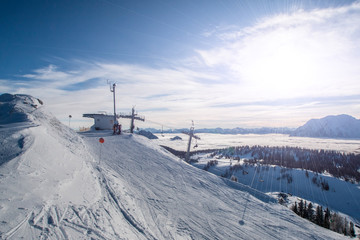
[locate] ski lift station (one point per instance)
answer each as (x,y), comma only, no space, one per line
(101,121)
(104,121)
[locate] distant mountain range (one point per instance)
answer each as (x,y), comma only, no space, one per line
(263,130)
(340,126)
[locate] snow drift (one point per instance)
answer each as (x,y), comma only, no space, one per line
(56,184)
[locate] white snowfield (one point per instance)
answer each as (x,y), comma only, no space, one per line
(57,184)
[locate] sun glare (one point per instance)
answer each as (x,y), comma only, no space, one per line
(281,71)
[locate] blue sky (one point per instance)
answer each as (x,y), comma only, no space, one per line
(221,63)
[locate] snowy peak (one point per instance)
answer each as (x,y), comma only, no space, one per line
(17,108)
(340,126)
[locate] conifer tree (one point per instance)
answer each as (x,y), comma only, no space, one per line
(305,212)
(345,228)
(352,230)
(319,216)
(310,212)
(327,218)
(295,208)
(301,208)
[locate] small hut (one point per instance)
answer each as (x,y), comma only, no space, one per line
(101,121)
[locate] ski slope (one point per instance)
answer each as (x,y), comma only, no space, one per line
(57,184)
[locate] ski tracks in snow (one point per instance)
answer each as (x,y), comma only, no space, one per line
(119,206)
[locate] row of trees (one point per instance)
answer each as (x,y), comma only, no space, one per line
(326,219)
(340,165)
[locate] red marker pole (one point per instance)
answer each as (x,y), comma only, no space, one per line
(101,140)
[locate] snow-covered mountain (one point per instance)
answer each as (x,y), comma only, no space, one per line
(57,184)
(340,126)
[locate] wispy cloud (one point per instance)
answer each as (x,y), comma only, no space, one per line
(293,55)
(152,90)
(281,71)
(299,102)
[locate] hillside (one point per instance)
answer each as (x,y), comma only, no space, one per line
(321,188)
(340,126)
(56,184)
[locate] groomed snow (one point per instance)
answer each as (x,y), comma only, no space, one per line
(61,185)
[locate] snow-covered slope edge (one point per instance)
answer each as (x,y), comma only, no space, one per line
(45,169)
(340,126)
(54,188)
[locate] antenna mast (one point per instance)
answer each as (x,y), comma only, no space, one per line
(112,89)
